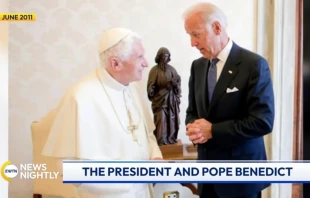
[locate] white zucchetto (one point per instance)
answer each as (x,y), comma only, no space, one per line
(111,37)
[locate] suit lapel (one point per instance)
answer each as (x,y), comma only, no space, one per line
(229,72)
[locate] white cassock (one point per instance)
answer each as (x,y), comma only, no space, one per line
(92,122)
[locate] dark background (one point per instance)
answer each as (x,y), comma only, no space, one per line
(306,88)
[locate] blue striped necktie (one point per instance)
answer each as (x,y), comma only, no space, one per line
(212,78)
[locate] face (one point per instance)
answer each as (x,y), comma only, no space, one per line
(133,67)
(164,57)
(206,40)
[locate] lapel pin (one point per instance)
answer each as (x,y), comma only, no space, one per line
(230,72)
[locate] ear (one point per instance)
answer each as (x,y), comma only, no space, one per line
(115,63)
(217,28)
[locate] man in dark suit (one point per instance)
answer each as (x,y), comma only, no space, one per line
(231,100)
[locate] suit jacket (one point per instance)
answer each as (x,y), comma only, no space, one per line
(239,119)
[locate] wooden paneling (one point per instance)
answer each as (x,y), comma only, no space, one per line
(298,99)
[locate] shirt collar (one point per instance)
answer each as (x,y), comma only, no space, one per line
(109,81)
(223,55)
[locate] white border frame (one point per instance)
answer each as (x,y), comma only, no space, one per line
(4,61)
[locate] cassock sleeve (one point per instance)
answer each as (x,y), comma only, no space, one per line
(143,108)
(61,144)
(62,135)
(154,148)
(155,151)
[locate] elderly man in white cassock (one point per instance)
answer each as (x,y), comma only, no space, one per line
(101,117)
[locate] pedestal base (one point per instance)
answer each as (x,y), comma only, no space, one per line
(179,151)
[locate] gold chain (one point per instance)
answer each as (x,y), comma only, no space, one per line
(131,126)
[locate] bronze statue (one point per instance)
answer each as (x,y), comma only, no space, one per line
(164,91)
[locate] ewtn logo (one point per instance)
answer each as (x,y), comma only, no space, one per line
(27,171)
(8,171)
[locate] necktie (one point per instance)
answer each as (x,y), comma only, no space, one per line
(212,78)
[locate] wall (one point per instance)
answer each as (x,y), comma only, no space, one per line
(46,57)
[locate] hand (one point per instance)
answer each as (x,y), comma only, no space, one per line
(194,133)
(205,127)
(200,131)
(169,86)
(175,81)
(152,91)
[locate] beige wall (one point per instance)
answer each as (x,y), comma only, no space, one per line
(48,56)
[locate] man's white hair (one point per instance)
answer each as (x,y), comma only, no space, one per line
(122,50)
(208,12)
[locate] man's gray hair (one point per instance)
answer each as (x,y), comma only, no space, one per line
(122,49)
(208,12)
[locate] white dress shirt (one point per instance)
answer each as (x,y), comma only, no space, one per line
(222,56)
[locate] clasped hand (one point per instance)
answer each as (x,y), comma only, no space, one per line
(176,81)
(199,131)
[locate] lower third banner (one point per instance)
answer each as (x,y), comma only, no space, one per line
(184,172)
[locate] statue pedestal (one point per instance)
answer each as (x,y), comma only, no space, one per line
(179,151)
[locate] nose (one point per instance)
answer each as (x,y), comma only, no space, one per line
(144,63)
(193,42)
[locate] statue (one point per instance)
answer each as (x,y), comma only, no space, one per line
(164,91)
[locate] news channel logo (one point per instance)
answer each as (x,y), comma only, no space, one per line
(27,171)
(8,171)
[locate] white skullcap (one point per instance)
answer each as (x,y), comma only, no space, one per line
(111,37)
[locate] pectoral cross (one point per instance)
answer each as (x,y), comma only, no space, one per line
(131,126)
